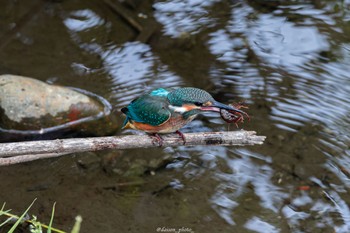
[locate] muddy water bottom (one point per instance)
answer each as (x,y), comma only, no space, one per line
(143,199)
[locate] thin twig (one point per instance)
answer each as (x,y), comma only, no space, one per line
(124,13)
(27,158)
(18,152)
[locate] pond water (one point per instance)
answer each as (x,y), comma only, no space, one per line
(289,61)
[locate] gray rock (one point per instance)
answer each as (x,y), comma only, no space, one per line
(27,104)
(23,97)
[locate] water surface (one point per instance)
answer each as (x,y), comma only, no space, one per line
(289,60)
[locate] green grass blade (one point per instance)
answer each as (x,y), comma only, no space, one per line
(4,223)
(76,227)
(51,220)
(3,207)
(4,212)
(13,228)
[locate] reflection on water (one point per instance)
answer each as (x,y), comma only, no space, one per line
(245,174)
(131,69)
(83,20)
(288,59)
(183,16)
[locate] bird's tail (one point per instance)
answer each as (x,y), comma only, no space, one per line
(126,123)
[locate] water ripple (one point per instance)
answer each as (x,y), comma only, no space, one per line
(175,17)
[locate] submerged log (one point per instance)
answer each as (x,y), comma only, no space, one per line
(19,152)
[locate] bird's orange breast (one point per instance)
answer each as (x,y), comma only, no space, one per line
(170,126)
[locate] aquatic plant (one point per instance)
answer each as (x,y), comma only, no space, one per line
(34,225)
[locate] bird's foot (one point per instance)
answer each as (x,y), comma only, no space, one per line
(157,139)
(182,136)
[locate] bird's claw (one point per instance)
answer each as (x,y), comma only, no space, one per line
(157,139)
(182,136)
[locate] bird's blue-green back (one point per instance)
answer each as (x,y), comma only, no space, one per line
(185,95)
(150,108)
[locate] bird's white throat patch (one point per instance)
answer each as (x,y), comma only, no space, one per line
(181,109)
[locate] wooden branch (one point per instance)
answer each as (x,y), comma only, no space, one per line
(124,13)
(18,152)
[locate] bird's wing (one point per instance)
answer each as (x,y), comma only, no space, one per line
(148,109)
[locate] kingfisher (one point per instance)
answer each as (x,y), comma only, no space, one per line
(166,110)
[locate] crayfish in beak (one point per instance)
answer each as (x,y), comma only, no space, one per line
(231,116)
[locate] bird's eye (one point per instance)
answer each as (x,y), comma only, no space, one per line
(198,103)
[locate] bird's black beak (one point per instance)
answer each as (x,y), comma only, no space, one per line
(217,106)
